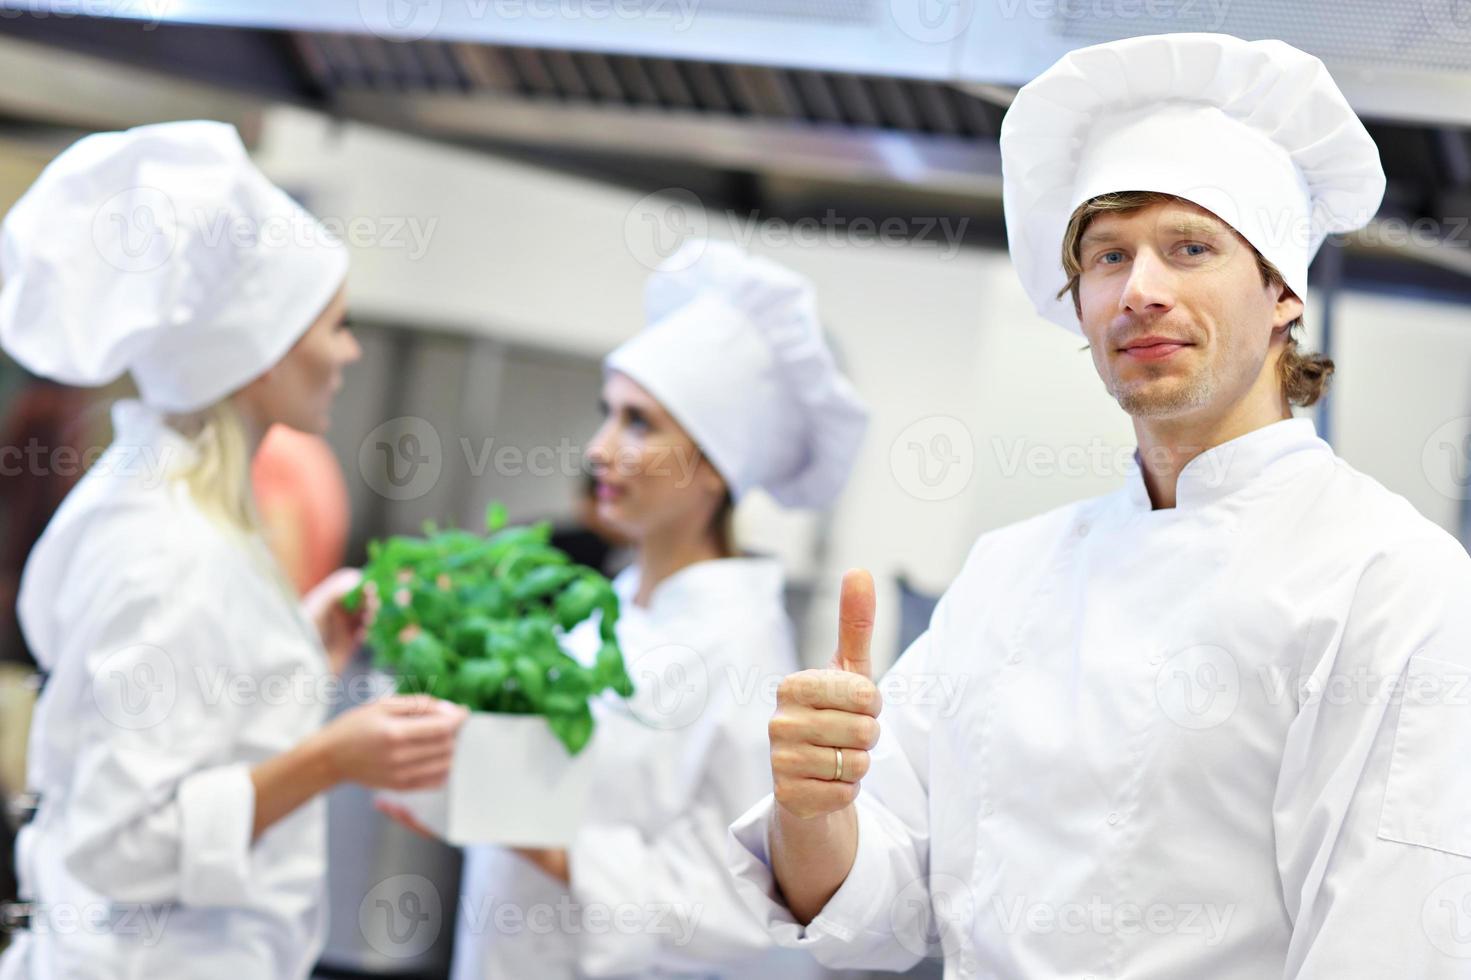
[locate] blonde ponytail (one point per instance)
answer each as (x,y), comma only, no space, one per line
(218,478)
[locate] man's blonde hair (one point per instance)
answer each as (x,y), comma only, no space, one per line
(1304,374)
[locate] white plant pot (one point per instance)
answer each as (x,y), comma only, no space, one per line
(511,782)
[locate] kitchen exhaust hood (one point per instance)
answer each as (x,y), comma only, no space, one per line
(770,103)
(1396,59)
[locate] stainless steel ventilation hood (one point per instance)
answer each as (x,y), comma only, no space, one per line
(767,99)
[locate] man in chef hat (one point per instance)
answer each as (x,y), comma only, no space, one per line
(1215,722)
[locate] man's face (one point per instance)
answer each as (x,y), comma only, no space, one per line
(1172,302)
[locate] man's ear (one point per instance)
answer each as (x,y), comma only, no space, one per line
(1289,308)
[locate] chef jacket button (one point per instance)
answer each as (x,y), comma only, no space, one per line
(1015,657)
(1082,530)
(1157,659)
(1113,818)
(987,810)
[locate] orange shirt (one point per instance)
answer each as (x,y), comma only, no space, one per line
(303,503)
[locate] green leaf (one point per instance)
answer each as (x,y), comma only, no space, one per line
(607,626)
(577,602)
(468,637)
(530,679)
(573,729)
(542,581)
(495,516)
(504,542)
(503,643)
(521,559)
(538,638)
(423,661)
(562,703)
(481,682)
(612,672)
(486,598)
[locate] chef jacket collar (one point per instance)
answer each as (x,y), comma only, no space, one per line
(1231,466)
(694,583)
(142,437)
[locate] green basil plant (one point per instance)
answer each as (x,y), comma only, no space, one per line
(478,620)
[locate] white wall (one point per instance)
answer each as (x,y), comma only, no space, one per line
(537,257)
(1403,399)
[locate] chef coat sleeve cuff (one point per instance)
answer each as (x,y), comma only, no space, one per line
(859,904)
(217,818)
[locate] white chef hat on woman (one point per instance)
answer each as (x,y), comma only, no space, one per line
(734,351)
(1254,131)
(161,251)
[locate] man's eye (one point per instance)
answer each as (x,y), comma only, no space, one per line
(1104,257)
(1203,249)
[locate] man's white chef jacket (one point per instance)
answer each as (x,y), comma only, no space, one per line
(1230,740)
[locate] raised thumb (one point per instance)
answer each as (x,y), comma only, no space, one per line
(855,623)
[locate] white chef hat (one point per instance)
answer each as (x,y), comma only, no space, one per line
(161,251)
(734,351)
(1254,131)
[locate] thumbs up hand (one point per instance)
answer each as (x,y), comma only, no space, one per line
(827,720)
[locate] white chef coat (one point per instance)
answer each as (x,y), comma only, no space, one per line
(649,880)
(176,662)
(1177,752)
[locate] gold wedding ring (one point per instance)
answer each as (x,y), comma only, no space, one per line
(838,765)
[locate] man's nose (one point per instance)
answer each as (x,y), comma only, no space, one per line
(1150,288)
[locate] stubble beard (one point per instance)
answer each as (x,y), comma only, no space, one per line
(1164,397)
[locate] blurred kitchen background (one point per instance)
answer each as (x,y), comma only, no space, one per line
(508,173)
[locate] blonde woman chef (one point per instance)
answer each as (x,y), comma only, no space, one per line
(729,388)
(178,747)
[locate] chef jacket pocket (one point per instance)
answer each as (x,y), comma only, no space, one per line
(1427,797)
